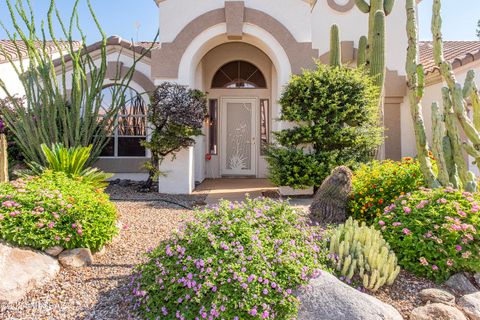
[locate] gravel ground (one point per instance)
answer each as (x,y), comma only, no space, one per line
(98,291)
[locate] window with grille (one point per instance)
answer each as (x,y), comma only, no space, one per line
(130,127)
(239,75)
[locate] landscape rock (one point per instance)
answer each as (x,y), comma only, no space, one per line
(470,304)
(437,296)
(330,202)
(54,251)
(23,270)
(477,278)
(326,297)
(461,284)
(437,311)
(76,258)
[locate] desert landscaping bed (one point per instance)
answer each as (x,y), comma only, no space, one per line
(98,291)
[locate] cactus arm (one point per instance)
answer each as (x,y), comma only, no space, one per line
(3,158)
(388,6)
(469,83)
(451,167)
(466,177)
(335,50)
(472,152)
(415,93)
(363,6)
(470,90)
(438,128)
(362,51)
(377,61)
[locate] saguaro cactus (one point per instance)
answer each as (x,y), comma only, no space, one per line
(362,51)
(416,88)
(3,157)
(377,51)
(335,50)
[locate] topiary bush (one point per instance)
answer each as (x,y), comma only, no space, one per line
(434,233)
(234,261)
(360,251)
(335,121)
(377,185)
(52,209)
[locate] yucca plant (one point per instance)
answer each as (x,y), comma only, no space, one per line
(72,162)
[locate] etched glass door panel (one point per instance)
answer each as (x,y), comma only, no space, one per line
(239,132)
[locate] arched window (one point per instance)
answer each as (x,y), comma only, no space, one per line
(130,127)
(239,75)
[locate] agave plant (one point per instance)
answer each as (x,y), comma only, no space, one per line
(71,161)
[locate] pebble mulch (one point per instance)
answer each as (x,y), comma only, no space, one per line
(99,291)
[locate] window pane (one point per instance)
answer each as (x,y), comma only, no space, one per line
(239,74)
(132,126)
(109,150)
(264,126)
(212,130)
(131,147)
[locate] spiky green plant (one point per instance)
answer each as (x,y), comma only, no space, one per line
(72,162)
(63,100)
(335,49)
(358,250)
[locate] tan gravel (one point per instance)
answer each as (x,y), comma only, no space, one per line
(99,291)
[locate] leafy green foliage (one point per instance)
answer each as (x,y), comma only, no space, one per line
(234,261)
(379,183)
(176,115)
(59,106)
(71,161)
(53,209)
(335,112)
(435,233)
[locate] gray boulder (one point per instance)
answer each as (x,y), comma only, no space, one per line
(470,304)
(437,311)
(477,278)
(54,251)
(23,270)
(327,298)
(76,258)
(437,296)
(461,284)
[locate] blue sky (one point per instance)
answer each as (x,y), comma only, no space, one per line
(122,17)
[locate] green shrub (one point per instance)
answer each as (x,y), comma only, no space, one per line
(52,209)
(235,261)
(72,162)
(334,113)
(377,185)
(361,251)
(434,233)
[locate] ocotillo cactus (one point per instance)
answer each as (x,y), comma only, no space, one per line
(416,89)
(362,51)
(335,50)
(3,155)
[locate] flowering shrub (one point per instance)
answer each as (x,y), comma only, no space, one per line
(434,233)
(379,183)
(52,209)
(234,261)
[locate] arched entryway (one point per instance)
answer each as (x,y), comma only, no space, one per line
(238,80)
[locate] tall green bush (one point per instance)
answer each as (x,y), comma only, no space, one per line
(62,106)
(335,115)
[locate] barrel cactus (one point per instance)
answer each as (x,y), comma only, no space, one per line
(360,251)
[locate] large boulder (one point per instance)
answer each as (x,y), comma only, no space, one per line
(327,298)
(76,258)
(23,270)
(470,304)
(437,296)
(330,202)
(477,278)
(437,311)
(461,284)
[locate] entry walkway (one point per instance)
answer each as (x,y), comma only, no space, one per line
(237,189)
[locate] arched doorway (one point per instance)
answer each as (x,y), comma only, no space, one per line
(238,80)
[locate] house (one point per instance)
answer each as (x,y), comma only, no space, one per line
(242,53)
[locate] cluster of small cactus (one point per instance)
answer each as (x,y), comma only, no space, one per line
(359,250)
(448,143)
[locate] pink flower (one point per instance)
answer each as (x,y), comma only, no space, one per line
(458,248)
(434,267)
(466,255)
(423,261)
(396,224)
(381,222)
(406,231)
(407,210)
(442,201)
(449,262)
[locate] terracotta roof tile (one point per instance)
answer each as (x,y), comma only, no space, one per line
(11,50)
(459,53)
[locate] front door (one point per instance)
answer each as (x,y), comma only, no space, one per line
(238,136)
